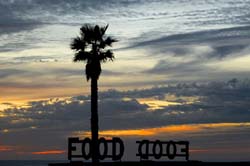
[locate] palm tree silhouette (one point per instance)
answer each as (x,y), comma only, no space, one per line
(91,47)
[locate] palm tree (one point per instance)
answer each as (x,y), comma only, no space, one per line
(91,47)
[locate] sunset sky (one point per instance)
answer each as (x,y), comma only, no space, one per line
(182,72)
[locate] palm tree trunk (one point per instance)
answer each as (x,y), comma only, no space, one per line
(94,122)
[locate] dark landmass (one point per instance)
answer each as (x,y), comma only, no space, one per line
(154,163)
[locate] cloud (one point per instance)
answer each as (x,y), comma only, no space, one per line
(222,41)
(8,72)
(44,11)
(43,19)
(212,108)
(11,17)
(4,148)
(54,72)
(49,152)
(197,55)
(217,102)
(175,69)
(202,14)
(34,58)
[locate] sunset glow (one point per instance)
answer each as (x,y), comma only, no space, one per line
(168,129)
(156,104)
(5,148)
(49,152)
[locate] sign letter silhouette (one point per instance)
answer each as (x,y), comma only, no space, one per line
(114,155)
(157,149)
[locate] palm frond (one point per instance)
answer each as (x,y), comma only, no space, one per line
(107,42)
(87,33)
(107,55)
(82,56)
(78,44)
(103,29)
(98,33)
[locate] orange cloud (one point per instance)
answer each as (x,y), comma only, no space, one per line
(165,129)
(148,131)
(21,96)
(5,148)
(48,152)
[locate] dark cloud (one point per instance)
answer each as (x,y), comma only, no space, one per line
(50,122)
(224,42)
(218,102)
(53,77)
(7,28)
(188,54)
(46,11)
(193,71)
(11,17)
(27,12)
(9,72)
(27,15)
(167,68)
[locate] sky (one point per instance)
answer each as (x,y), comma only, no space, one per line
(182,72)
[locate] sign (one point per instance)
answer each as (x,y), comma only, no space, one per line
(86,154)
(146,149)
(161,149)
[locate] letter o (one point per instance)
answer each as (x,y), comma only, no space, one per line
(105,150)
(157,155)
(171,155)
(84,154)
(146,154)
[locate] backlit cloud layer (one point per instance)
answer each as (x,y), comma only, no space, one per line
(199,107)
